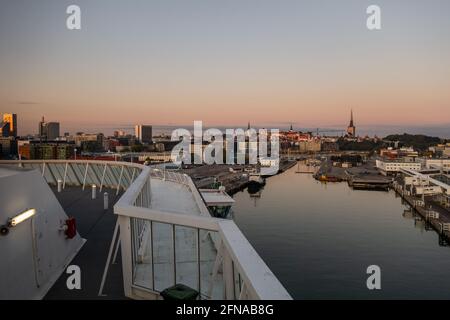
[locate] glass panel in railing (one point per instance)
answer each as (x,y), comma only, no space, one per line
(71,178)
(187,256)
(163,255)
(211,283)
(141,239)
(108,177)
(126,178)
(57,170)
(48,175)
(90,177)
(115,174)
(97,174)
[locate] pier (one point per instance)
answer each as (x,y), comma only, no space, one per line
(362,177)
(435,216)
(369,182)
(286,164)
(233,177)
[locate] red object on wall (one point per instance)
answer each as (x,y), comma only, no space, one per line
(71,230)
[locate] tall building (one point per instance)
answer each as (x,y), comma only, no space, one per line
(4,129)
(43,129)
(351,129)
(52,130)
(11,118)
(143,133)
(48,130)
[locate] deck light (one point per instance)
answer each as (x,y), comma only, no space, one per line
(21,217)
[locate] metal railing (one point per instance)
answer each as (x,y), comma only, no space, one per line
(105,174)
(160,248)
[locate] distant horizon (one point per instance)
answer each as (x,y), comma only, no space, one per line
(437,129)
(441,131)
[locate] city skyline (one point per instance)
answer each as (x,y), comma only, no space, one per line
(442,131)
(224,63)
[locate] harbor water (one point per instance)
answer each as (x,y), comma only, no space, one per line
(320,238)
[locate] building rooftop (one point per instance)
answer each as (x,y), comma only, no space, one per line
(216,197)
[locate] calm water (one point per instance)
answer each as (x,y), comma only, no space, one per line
(318,239)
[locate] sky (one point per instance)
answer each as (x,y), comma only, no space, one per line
(271,62)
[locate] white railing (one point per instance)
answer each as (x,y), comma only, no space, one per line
(170,176)
(105,174)
(223,264)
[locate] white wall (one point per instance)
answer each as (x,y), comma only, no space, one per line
(35,252)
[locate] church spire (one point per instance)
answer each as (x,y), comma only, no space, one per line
(351,130)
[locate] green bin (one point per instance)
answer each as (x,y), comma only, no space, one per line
(179,292)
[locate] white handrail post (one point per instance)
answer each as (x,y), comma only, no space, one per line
(103,178)
(65,174)
(125,249)
(105,271)
(243,293)
(215,270)
(85,175)
(120,180)
(228,276)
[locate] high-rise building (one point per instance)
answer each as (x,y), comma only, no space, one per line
(351,129)
(11,118)
(43,129)
(52,130)
(48,130)
(143,133)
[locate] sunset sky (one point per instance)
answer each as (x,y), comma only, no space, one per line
(170,62)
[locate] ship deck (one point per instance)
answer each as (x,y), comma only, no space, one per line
(96,226)
(172,197)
